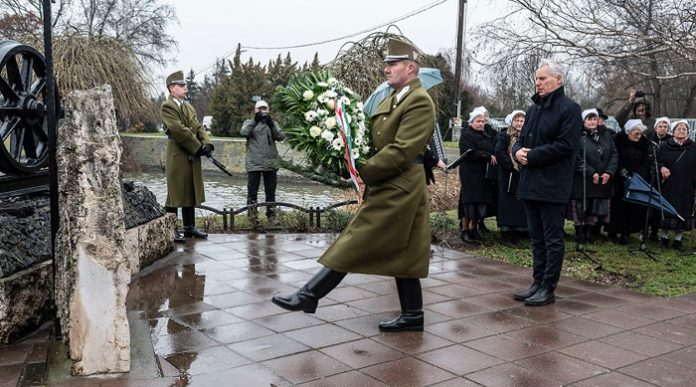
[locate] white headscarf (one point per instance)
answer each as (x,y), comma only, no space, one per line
(478,111)
(685,122)
(634,124)
(662,119)
(587,112)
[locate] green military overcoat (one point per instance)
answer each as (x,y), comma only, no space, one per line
(390,234)
(186,136)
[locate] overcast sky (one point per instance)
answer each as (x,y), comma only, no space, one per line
(209,29)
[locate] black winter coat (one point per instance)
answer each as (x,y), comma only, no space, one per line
(634,157)
(510,209)
(597,154)
(472,172)
(679,188)
(551,130)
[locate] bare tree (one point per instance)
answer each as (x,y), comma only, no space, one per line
(139,24)
(645,43)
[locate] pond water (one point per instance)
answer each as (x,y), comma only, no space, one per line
(227,192)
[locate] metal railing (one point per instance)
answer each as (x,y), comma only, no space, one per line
(314,213)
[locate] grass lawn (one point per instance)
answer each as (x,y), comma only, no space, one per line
(673,273)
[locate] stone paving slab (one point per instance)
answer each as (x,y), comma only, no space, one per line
(209,315)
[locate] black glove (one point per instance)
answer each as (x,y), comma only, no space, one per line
(207,150)
(259,116)
(268,120)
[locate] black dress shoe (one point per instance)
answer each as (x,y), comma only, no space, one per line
(179,237)
(300,300)
(192,232)
(623,239)
(407,321)
(523,295)
(543,296)
(664,242)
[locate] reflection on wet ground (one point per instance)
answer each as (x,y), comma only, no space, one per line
(211,324)
(227,192)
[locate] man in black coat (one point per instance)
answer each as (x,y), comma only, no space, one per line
(546,151)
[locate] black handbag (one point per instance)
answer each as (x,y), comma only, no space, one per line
(492,172)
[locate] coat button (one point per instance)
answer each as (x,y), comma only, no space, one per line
(394,107)
(379,133)
(384,118)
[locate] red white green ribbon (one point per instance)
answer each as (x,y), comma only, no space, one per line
(344,131)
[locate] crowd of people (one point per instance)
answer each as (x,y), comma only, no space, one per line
(657,149)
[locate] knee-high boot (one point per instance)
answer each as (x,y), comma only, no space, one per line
(190,230)
(580,238)
(411,300)
(307,298)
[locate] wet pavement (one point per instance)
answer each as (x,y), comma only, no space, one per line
(211,323)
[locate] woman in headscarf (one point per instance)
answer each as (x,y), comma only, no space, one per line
(596,164)
(634,157)
(677,160)
(511,217)
(475,196)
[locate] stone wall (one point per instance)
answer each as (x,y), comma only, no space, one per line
(148,152)
(25,234)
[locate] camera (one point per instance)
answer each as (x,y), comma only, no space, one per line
(640,94)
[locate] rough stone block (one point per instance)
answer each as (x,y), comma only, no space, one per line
(92,271)
(25,301)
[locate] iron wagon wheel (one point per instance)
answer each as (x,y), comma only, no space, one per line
(23,124)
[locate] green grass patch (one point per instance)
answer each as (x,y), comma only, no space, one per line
(673,273)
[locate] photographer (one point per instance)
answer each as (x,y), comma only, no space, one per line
(261,133)
(637,107)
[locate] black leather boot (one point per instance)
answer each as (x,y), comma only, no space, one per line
(543,296)
(411,300)
(525,294)
(476,234)
(589,238)
(507,238)
(307,298)
(466,237)
(190,230)
(579,238)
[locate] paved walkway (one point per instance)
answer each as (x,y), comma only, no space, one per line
(212,324)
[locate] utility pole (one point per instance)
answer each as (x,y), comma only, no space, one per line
(458,63)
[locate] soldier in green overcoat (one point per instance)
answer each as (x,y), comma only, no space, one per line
(187,142)
(390,234)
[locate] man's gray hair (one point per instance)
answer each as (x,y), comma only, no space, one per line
(555,68)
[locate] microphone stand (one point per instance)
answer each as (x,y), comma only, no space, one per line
(654,180)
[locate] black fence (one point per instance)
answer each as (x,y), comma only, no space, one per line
(314,213)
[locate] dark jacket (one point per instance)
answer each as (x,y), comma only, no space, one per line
(626,112)
(597,154)
(551,130)
(679,188)
(653,137)
(634,157)
(510,210)
(472,172)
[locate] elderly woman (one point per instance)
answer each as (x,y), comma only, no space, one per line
(596,163)
(633,149)
(677,160)
(475,196)
(511,217)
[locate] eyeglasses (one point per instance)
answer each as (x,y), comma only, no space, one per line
(681,128)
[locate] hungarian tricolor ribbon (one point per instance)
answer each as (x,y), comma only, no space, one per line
(344,130)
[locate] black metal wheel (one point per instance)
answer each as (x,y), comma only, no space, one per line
(23,124)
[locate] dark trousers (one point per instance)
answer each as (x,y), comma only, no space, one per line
(545,222)
(270,180)
(187,213)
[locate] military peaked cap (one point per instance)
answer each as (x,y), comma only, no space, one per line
(398,50)
(176,78)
